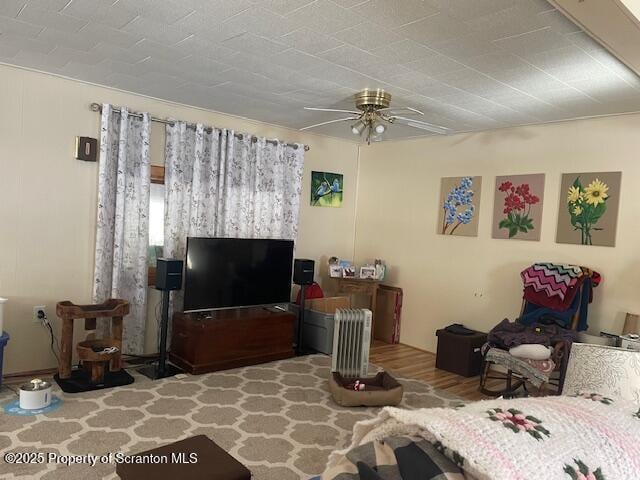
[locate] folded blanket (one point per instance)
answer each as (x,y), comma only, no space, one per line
(555,286)
(556,303)
(508,334)
(543,366)
(537,372)
(537,310)
(395,458)
(551,438)
(551,278)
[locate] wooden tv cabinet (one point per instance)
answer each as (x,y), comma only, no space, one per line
(219,340)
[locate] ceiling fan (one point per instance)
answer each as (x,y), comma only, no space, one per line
(374,113)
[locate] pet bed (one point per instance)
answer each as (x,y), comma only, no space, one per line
(381,390)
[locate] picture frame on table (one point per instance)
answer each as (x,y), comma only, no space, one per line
(335,271)
(349,272)
(368,273)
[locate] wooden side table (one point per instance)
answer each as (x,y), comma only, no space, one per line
(361,285)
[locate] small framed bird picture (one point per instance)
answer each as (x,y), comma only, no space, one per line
(326,189)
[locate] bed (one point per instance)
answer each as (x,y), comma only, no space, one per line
(581,437)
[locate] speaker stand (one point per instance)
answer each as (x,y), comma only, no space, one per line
(300,348)
(162,369)
(153,371)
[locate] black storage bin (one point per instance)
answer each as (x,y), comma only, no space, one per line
(460,353)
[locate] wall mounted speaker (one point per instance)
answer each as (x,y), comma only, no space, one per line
(303,269)
(168,274)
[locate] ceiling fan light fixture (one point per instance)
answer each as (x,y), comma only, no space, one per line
(358,127)
(373,115)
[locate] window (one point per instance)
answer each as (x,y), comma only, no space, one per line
(156,220)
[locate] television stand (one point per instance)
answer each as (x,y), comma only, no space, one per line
(230,338)
(276,309)
(209,315)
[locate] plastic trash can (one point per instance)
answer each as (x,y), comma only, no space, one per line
(4,338)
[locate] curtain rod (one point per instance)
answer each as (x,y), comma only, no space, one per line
(96,107)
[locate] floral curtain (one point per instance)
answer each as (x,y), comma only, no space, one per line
(191,185)
(220,185)
(260,189)
(123,219)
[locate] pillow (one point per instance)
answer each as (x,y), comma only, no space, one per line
(609,371)
(531,351)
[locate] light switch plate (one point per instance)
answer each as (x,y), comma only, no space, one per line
(87,149)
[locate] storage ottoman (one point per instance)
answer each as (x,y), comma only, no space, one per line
(212,463)
(380,391)
(460,353)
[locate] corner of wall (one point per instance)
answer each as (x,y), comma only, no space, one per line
(357,199)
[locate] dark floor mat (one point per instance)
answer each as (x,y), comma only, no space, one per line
(80,381)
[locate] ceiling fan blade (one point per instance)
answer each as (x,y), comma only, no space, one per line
(422,125)
(404,110)
(323,109)
(329,122)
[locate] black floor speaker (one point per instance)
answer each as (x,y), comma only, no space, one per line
(303,270)
(168,278)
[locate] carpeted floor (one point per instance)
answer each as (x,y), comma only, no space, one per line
(277,418)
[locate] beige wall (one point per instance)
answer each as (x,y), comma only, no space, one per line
(47,199)
(47,210)
(476,281)
(633,6)
(613,23)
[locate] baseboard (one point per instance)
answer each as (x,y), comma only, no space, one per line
(51,371)
(417,348)
(31,373)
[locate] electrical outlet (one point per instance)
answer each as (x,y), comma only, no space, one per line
(39,313)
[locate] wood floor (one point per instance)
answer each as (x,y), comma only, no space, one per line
(413,363)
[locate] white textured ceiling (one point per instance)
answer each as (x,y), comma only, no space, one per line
(469,64)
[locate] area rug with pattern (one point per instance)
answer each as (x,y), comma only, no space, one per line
(277,418)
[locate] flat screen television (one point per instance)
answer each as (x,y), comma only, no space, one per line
(236,272)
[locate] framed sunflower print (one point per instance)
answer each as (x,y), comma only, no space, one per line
(588,212)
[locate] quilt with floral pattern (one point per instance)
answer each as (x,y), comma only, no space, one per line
(582,437)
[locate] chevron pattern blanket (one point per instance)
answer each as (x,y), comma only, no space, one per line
(554,279)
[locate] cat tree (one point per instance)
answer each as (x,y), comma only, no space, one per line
(91,351)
